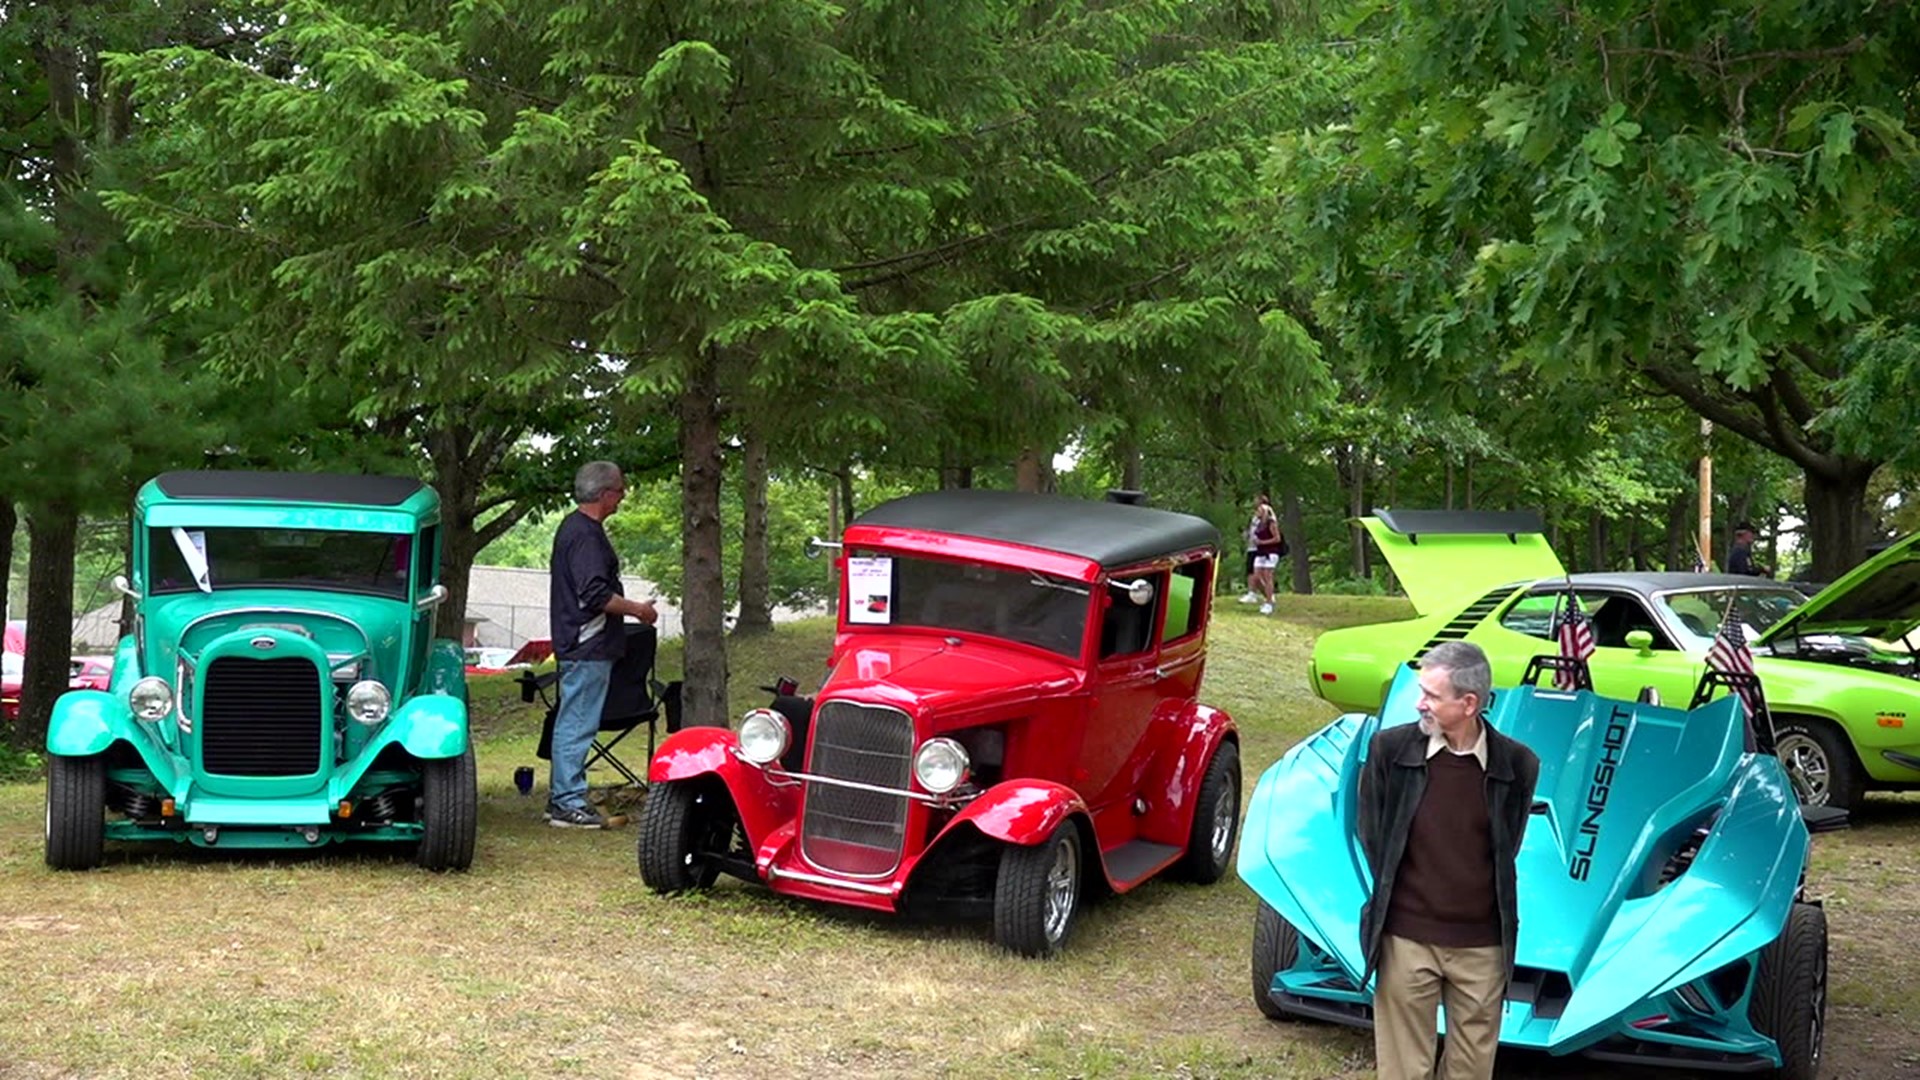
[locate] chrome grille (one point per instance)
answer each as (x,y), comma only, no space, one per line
(846,830)
(261,717)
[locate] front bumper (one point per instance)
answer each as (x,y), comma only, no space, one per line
(1333,999)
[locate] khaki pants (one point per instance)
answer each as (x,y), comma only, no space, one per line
(1414,980)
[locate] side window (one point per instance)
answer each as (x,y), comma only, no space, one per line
(1127,627)
(1186,605)
(1533,615)
(427,557)
(1618,616)
(1614,617)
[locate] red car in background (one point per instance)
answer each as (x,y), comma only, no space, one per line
(13,665)
(90,673)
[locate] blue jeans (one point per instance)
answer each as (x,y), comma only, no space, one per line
(583,693)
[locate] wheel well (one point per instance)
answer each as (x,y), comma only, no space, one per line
(1822,721)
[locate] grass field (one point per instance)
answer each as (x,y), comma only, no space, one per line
(550,958)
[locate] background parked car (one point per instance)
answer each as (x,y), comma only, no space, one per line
(1837,669)
(90,673)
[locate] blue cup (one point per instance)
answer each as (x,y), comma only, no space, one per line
(523,779)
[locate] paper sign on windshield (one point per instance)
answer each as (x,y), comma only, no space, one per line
(869,589)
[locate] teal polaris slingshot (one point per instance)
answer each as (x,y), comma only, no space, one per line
(1662,912)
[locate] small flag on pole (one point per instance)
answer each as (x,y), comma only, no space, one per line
(1729,654)
(1575,634)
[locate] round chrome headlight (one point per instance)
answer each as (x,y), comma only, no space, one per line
(151,698)
(764,735)
(940,765)
(368,701)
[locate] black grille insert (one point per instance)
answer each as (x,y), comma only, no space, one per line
(847,830)
(261,717)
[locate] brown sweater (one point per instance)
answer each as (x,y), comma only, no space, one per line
(1444,894)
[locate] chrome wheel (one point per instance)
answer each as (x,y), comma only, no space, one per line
(1226,811)
(1807,767)
(1063,890)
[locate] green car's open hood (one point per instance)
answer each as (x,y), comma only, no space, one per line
(1448,558)
(1880,598)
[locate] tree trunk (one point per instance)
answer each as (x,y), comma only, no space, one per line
(50,532)
(704,697)
(1131,471)
(1028,475)
(9,520)
(1677,533)
(1837,524)
(1294,524)
(756,587)
(954,476)
(1597,541)
(1356,475)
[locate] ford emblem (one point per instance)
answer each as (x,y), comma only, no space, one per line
(263,643)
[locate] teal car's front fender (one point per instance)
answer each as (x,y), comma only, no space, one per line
(87,722)
(428,726)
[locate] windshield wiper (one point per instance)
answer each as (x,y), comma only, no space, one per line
(196,559)
(1049,583)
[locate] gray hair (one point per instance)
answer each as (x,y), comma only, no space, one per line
(1466,666)
(593,480)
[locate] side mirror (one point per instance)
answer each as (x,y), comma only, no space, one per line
(1139,591)
(1640,641)
(815,546)
(434,598)
(125,588)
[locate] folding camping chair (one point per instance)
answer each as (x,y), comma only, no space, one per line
(634,698)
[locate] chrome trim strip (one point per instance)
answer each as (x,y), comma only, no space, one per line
(836,883)
(783,778)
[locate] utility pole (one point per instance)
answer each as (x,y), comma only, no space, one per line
(1705,556)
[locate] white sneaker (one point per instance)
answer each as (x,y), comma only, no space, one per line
(1266,609)
(1248,597)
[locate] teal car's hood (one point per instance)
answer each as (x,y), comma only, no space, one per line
(346,625)
(1880,598)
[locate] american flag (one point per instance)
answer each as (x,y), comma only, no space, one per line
(1576,641)
(1729,653)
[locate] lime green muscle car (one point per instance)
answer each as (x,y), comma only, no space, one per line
(1838,669)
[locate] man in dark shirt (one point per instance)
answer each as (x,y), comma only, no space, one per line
(1740,556)
(1443,804)
(587,609)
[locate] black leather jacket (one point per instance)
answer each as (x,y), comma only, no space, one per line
(1391,784)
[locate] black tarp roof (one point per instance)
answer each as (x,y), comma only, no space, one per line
(1111,534)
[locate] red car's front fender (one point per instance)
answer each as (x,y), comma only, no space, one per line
(1188,738)
(692,753)
(1021,812)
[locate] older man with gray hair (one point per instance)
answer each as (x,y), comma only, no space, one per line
(587,607)
(1443,804)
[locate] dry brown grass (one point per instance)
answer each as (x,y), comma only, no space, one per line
(550,958)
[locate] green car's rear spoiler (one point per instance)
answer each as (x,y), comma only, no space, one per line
(1446,558)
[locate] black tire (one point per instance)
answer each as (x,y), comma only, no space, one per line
(1216,819)
(1789,1002)
(1276,945)
(1820,762)
(76,811)
(449,812)
(1037,896)
(682,825)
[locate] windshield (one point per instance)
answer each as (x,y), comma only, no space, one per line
(294,558)
(1018,605)
(1699,611)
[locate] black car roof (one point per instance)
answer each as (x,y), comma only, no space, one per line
(1111,534)
(289,487)
(1648,582)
